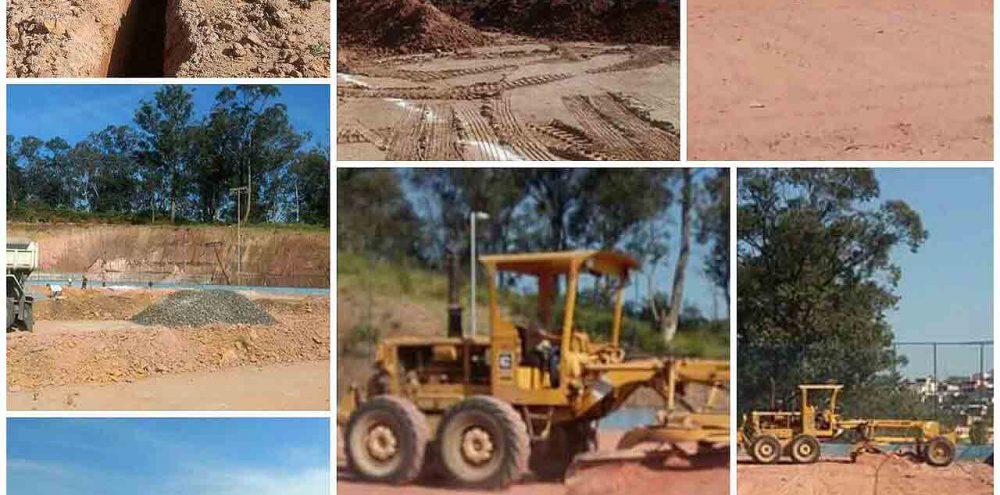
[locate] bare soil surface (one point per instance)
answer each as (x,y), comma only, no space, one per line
(415,83)
(154,38)
(74,356)
(609,479)
(877,474)
(301,386)
(840,80)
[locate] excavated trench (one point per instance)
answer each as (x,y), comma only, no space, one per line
(139,45)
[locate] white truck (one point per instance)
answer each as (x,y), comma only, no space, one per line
(22,259)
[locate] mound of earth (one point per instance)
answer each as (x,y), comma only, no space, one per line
(197,308)
(46,359)
(653,22)
(95,304)
(403,26)
(252,38)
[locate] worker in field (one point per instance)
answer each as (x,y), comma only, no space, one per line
(83,283)
(55,290)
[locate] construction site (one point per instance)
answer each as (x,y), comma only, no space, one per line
(825,407)
(164,321)
(539,386)
(508,80)
(168,38)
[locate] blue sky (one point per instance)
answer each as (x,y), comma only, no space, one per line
(74,111)
(277,456)
(947,286)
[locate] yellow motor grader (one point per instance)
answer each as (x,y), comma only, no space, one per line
(482,412)
(767,435)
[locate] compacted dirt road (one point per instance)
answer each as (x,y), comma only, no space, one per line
(840,80)
(875,474)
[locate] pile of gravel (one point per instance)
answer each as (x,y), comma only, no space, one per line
(203,307)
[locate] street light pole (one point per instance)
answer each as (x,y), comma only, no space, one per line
(476,215)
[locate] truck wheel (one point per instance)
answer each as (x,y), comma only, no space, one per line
(483,443)
(939,452)
(765,449)
(386,440)
(804,449)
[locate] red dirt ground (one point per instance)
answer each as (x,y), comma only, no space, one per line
(840,80)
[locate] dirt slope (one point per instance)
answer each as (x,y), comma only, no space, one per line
(653,22)
(840,80)
(276,257)
(59,38)
(403,26)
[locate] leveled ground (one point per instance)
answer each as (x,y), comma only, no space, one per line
(154,38)
(94,362)
(506,80)
(877,474)
(514,100)
(840,80)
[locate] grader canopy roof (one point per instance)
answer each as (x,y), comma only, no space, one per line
(600,262)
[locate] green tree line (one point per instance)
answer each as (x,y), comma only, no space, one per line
(173,165)
(653,214)
(816,280)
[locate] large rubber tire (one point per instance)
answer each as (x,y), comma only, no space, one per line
(939,452)
(483,443)
(804,449)
(386,440)
(550,459)
(765,449)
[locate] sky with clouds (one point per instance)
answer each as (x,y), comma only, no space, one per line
(272,456)
(72,111)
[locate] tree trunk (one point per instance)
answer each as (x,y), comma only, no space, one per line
(669,324)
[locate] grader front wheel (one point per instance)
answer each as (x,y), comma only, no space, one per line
(804,449)
(386,440)
(939,452)
(765,449)
(483,443)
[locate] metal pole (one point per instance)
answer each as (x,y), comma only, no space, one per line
(472,270)
(937,396)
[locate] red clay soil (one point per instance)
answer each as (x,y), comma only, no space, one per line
(653,22)
(403,26)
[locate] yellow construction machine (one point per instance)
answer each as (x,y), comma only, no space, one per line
(483,411)
(767,435)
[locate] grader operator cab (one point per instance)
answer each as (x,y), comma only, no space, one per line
(494,411)
(767,435)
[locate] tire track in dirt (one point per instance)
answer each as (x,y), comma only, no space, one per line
(643,60)
(424,133)
(606,136)
(470,92)
(622,132)
(423,76)
(511,131)
(661,144)
(478,139)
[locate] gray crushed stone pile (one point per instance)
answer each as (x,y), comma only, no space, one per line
(203,307)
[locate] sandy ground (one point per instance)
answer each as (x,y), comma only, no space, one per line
(115,364)
(514,100)
(611,479)
(840,80)
(875,474)
(291,387)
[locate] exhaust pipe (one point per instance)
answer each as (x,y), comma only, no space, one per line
(454,307)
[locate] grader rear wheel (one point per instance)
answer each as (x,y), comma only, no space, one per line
(939,452)
(765,449)
(386,439)
(483,443)
(804,449)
